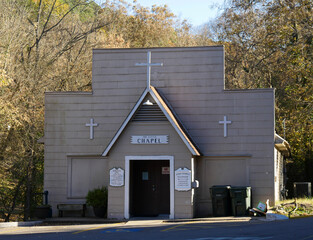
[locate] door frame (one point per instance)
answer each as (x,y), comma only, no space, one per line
(127,180)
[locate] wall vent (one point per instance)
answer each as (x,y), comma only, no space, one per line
(149,113)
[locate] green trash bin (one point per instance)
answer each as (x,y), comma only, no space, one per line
(241,200)
(221,201)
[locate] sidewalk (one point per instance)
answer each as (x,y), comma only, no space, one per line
(19,224)
(132,221)
(59,221)
(217,219)
(67,220)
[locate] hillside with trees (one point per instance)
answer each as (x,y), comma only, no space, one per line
(269,44)
(46,45)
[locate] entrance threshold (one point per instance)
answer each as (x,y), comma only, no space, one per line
(160,217)
(147,221)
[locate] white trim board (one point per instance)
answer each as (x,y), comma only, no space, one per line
(127,180)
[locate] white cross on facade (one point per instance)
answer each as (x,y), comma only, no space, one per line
(148,64)
(225,122)
(91,125)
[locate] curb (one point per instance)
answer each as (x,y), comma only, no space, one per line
(19,224)
(216,219)
(297,217)
(92,221)
(76,221)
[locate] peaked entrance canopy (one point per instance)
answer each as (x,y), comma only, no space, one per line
(170,115)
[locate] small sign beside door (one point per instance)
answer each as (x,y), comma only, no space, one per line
(116,177)
(165,170)
(182,179)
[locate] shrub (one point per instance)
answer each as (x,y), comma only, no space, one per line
(97,197)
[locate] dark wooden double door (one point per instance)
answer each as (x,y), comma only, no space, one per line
(149,188)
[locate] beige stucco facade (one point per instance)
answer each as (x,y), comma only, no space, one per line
(189,91)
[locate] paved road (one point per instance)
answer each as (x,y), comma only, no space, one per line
(297,229)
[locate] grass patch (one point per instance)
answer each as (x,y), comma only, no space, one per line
(301,207)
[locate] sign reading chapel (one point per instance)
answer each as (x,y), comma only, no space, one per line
(149,139)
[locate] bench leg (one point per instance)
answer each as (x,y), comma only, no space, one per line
(84,210)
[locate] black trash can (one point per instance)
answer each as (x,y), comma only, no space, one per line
(221,201)
(241,200)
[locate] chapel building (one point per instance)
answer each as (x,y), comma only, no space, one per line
(159,129)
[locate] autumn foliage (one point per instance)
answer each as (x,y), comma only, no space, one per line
(45,45)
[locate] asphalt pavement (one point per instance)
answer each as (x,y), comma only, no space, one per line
(199,229)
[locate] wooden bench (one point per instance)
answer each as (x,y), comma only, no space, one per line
(71,207)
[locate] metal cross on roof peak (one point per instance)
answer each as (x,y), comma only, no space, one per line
(149,65)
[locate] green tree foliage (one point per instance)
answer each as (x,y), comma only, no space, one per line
(270,44)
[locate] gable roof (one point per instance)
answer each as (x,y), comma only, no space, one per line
(168,112)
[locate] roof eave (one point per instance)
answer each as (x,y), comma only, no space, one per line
(169,115)
(124,124)
(282,145)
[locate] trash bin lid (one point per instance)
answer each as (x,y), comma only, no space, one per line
(240,191)
(221,186)
(241,187)
(220,190)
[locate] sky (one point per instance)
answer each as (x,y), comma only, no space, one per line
(197,12)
